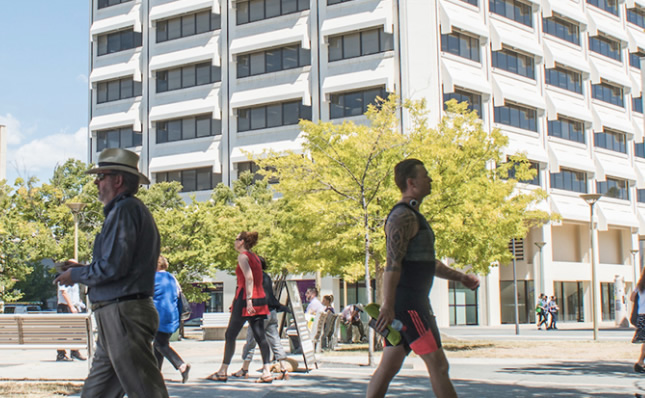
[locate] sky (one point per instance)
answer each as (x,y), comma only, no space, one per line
(44,68)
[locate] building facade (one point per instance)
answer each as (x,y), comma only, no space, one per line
(195,85)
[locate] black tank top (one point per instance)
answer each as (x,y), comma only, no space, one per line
(418,266)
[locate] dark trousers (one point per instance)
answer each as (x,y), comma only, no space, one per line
(64,309)
(164,350)
(124,362)
(235,325)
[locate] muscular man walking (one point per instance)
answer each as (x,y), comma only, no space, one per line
(409,273)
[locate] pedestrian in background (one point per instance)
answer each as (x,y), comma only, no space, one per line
(638,298)
(69,302)
(553,312)
(167,303)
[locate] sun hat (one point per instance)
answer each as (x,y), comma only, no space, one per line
(121,160)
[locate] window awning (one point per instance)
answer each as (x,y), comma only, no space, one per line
(187,56)
(502,36)
(117,119)
(185,108)
(637,123)
(133,18)
(357,80)
(561,156)
(618,121)
(115,71)
(453,15)
(283,92)
(613,168)
(454,73)
(275,38)
(603,70)
(636,40)
(188,160)
(614,214)
(554,53)
(239,153)
(607,26)
(634,3)
(639,167)
(570,208)
(176,8)
(533,151)
(362,20)
(504,89)
(565,9)
(636,84)
(557,104)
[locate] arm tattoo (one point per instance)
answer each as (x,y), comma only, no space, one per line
(400,228)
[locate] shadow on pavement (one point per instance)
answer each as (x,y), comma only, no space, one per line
(600,368)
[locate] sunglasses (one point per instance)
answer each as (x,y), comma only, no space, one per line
(101,176)
(239,238)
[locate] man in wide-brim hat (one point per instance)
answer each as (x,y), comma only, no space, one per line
(121,283)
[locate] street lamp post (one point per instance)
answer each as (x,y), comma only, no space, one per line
(636,265)
(591,199)
(540,245)
(76,210)
(515,301)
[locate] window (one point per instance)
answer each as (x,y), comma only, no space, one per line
(614,188)
(640,195)
(353,103)
(356,44)
(461,45)
(473,2)
(256,10)
(636,16)
(534,181)
(605,46)
(272,115)
(608,93)
(188,128)
(569,180)
(273,60)
(635,59)
(474,100)
(109,3)
(513,62)
(567,129)
(253,168)
(565,30)
(332,2)
(192,180)
(611,6)
(512,9)
(187,76)
(114,90)
(462,304)
(187,25)
(639,150)
(122,137)
(516,116)
(564,78)
(118,41)
(637,104)
(612,140)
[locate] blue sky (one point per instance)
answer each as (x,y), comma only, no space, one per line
(43,84)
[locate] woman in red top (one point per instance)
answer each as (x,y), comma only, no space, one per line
(251,307)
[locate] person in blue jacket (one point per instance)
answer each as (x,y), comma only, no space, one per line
(166,301)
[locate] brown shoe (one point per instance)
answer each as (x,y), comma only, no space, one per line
(77,355)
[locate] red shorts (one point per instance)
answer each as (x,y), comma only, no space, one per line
(420,332)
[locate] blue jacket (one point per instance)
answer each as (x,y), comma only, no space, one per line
(166,301)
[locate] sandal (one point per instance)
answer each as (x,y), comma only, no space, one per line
(217,377)
(242,373)
(265,379)
(284,375)
(184,374)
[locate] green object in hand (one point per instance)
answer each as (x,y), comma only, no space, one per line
(392,335)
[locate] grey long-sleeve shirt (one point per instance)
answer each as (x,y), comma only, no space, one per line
(124,260)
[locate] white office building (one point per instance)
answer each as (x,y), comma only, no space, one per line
(192,85)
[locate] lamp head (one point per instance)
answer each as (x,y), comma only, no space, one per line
(591,198)
(75,207)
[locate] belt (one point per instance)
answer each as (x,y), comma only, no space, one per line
(100,304)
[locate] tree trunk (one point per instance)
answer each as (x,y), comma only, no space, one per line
(368,289)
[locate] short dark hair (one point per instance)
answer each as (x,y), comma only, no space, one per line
(130,182)
(313,290)
(405,169)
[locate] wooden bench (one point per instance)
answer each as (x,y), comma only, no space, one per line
(46,332)
(214,326)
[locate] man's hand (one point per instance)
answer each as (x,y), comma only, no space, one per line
(65,265)
(385,317)
(470,281)
(65,278)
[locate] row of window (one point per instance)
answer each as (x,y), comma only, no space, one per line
(117,138)
(187,25)
(257,10)
(272,60)
(109,3)
(118,41)
(118,89)
(187,128)
(273,115)
(201,179)
(188,76)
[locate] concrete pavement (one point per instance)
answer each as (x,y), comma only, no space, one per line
(344,374)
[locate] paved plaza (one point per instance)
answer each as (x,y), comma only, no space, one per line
(345,374)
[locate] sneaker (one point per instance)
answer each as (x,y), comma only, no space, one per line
(63,358)
(638,368)
(77,355)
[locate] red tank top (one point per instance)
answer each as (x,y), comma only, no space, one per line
(259,298)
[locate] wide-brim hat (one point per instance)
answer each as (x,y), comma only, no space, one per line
(121,160)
